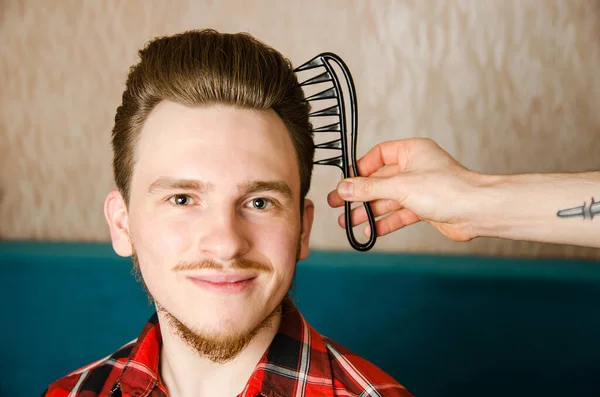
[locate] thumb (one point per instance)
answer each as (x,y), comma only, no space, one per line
(368,189)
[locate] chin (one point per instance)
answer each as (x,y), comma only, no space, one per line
(227,331)
(219,320)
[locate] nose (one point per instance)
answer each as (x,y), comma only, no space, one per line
(224,236)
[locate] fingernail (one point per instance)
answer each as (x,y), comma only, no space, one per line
(346,189)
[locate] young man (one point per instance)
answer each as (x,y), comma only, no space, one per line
(212,159)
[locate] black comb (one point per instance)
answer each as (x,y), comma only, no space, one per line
(347,158)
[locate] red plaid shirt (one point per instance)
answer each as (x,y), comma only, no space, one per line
(299,362)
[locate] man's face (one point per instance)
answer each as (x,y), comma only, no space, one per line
(214,215)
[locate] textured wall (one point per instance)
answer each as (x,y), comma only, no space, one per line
(505,86)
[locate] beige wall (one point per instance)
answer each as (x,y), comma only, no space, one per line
(505,86)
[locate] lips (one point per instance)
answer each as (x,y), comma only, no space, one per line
(224,283)
(223,278)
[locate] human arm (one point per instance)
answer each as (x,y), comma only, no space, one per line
(414,180)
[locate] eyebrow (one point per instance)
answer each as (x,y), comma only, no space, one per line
(267,186)
(166,183)
(251,187)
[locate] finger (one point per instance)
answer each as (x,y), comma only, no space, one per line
(388,170)
(392,222)
(378,207)
(382,154)
(370,188)
(334,200)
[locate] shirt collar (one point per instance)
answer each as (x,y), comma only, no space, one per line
(296,357)
(140,374)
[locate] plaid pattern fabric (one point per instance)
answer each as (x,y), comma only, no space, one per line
(299,362)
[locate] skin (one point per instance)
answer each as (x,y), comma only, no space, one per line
(212,188)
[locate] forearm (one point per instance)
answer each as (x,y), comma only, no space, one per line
(552,208)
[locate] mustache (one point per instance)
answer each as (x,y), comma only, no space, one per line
(239,264)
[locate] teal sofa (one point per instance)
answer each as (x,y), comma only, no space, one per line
(441,325)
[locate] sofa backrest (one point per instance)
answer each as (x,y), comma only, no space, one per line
(441,325)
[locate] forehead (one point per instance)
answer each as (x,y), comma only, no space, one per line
(216,144)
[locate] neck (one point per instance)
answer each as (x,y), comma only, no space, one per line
(186,373)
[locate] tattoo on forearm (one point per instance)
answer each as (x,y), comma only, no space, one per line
(587,211)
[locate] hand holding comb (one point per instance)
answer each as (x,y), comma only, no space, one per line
(339,126)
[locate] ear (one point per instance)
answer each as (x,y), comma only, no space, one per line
(116,215)
(307,222)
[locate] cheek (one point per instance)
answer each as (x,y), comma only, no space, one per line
(159,239)
(279,243)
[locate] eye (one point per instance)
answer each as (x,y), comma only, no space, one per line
(181,200)
(261,203)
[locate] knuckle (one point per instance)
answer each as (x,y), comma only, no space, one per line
(428,143)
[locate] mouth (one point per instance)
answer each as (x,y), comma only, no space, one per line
(224,283)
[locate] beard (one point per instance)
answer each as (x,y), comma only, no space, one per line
(218,349)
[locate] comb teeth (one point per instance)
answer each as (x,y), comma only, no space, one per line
(330,111)
(335,127)
(313,63)
(322,78)
(326,94)
(336,161)
(335,144)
